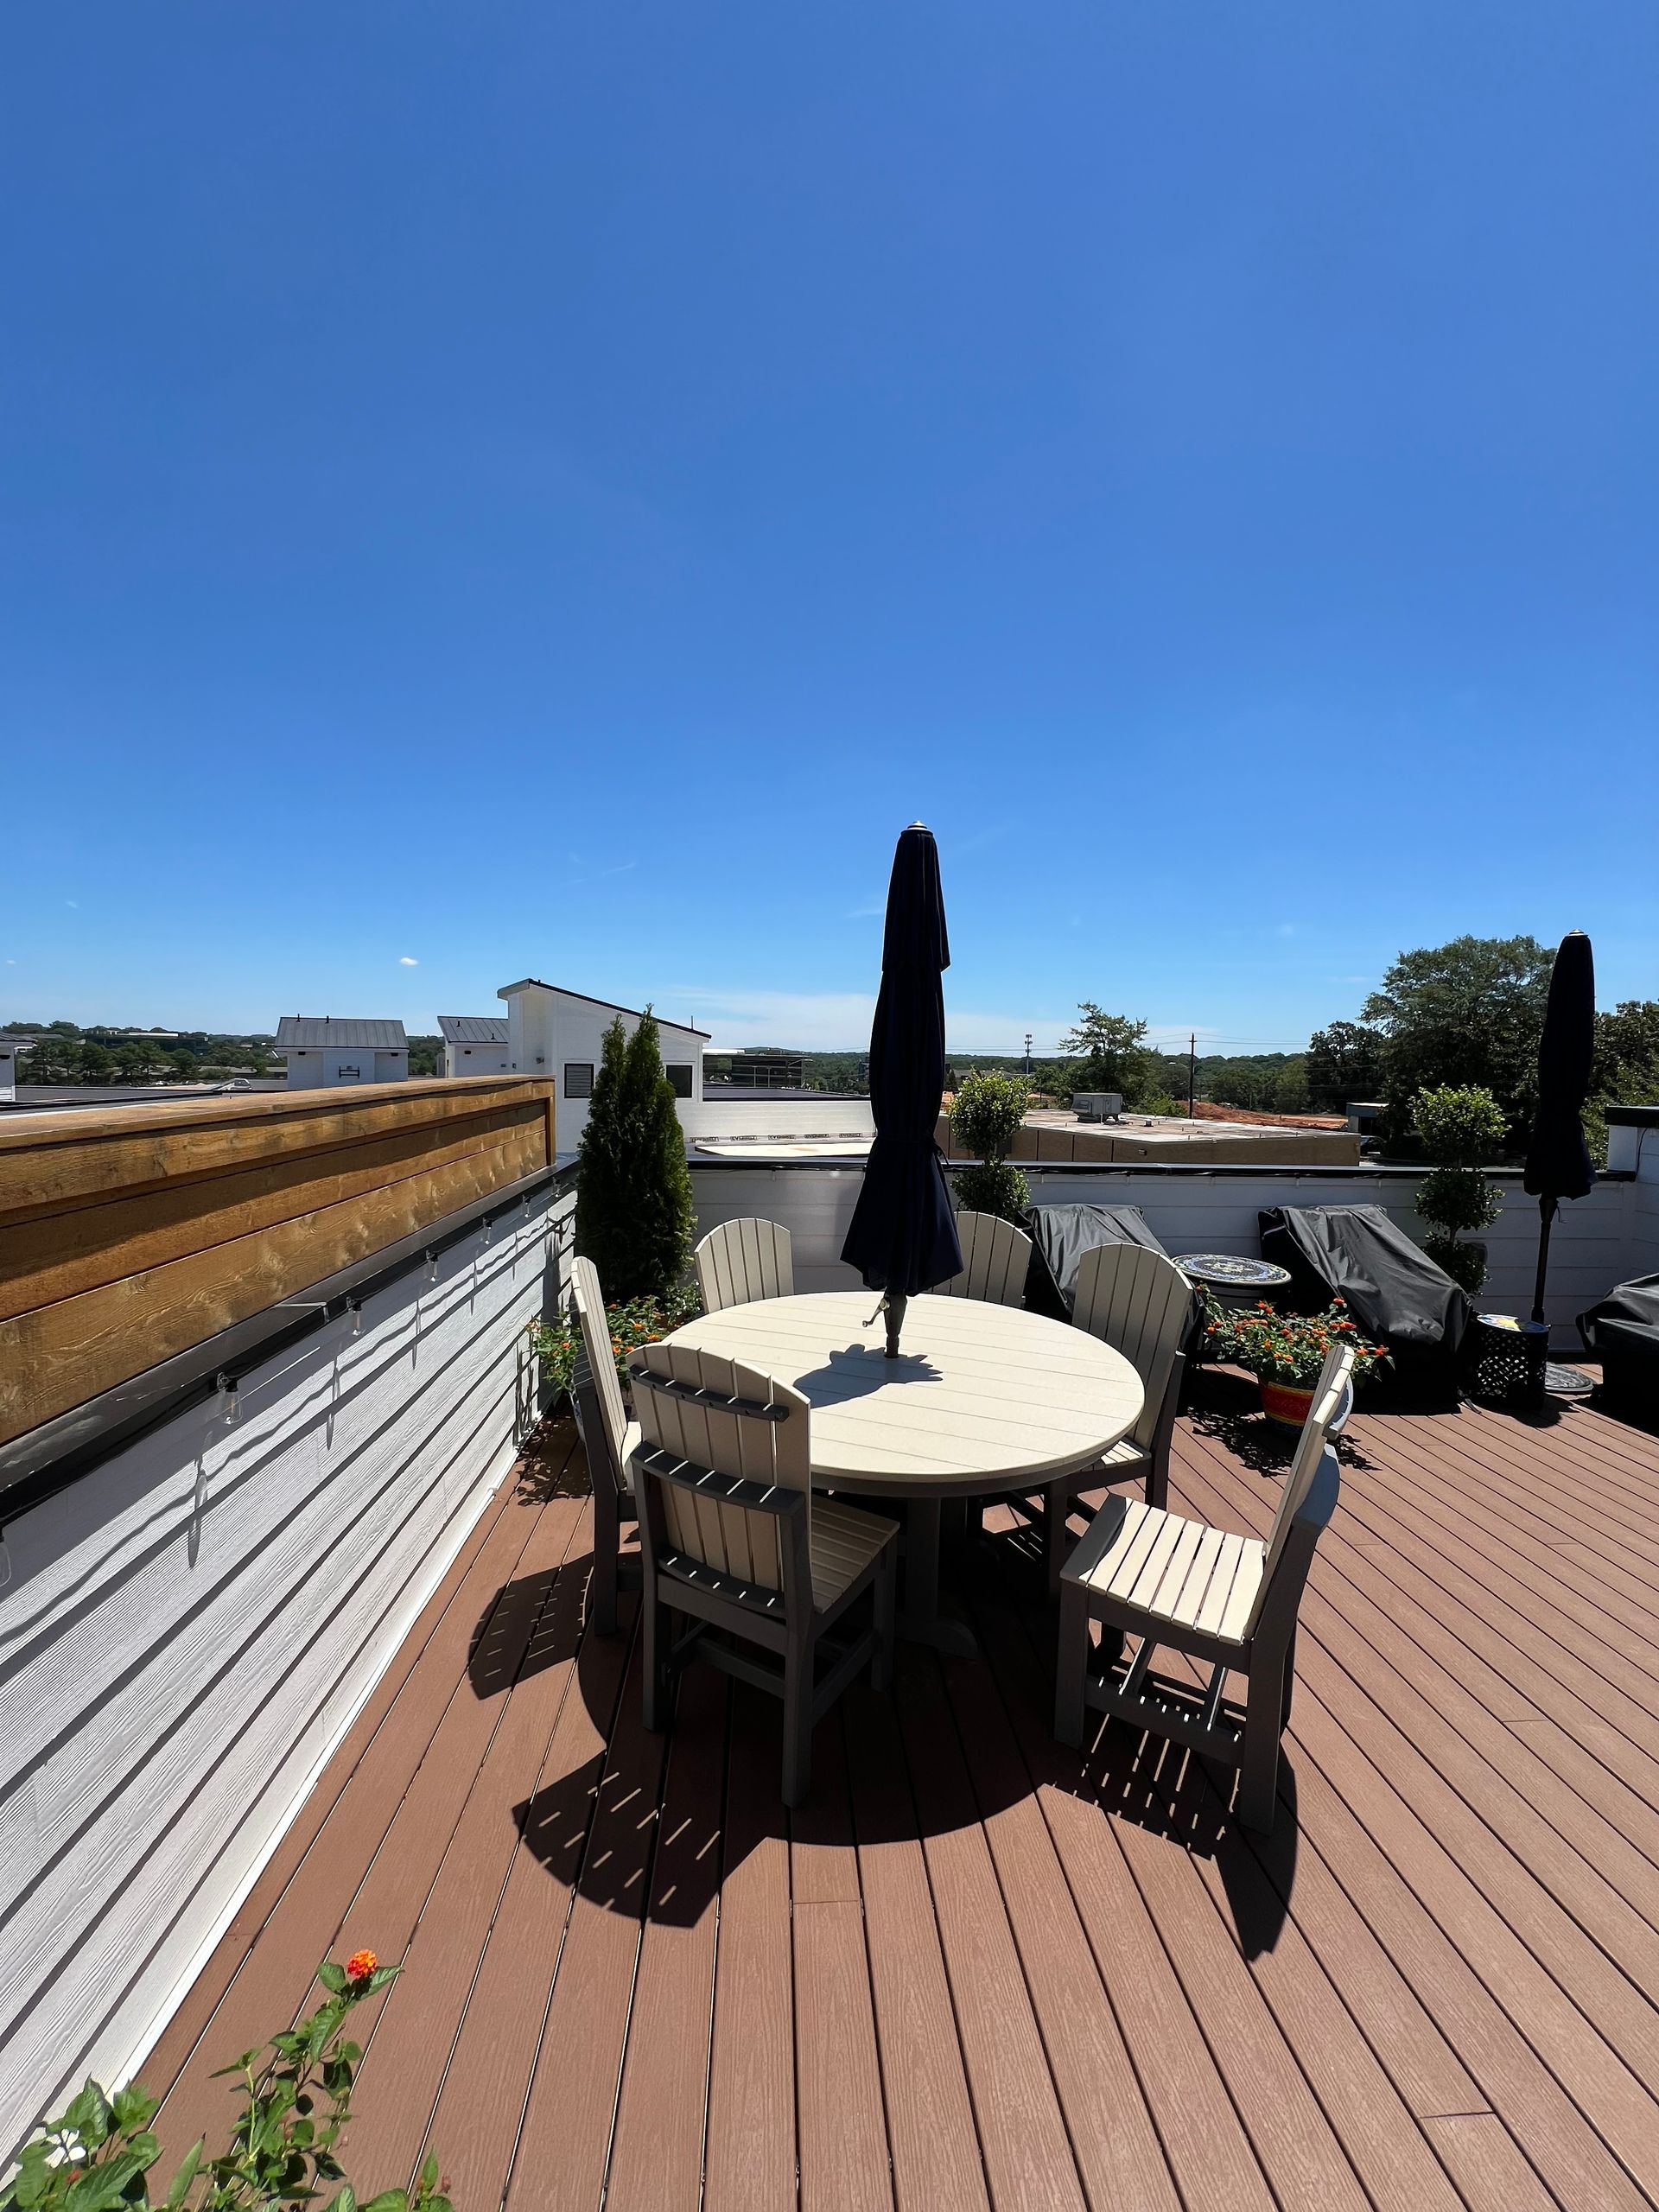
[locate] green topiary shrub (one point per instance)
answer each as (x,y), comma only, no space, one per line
(634,1208)
(985,1120)
(1459,1129)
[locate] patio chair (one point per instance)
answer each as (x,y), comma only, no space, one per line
(607,1437)
(733,1539)
(743,1261)
(1231,1600)
(1141,1305)
(995,1257)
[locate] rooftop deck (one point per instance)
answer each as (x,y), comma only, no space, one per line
(974,1971)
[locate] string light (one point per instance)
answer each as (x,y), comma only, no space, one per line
(229,1405)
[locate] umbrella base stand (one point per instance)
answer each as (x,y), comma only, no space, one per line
(894,1310)
(920,1619)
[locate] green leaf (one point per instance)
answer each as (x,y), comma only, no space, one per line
(332,1977)
(132,2107)
(182,2179)
(34,2176)
(389,2200)
(101,2188)
(379,1979)
(89,2115)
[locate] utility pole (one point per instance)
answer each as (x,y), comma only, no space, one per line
(1027,1054)
(1191,1074)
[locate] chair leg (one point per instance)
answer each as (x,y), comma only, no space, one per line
(607,1539)
(1158,1482)
(1258,1777)
(654,1634)
(886,1607)
(1072,1664)
(798,1722)
(1057,1500)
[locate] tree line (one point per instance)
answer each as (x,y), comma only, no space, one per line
(67,1054)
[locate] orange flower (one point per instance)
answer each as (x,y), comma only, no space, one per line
(361,1965)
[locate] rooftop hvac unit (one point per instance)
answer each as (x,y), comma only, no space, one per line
(1098,1105)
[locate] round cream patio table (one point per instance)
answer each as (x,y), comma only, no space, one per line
(983,1401)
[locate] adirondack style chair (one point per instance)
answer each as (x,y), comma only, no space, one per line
(733,1539)
(743,1261)
(994,1257)
(1140,1304)
(1230,1601)
(608,1438)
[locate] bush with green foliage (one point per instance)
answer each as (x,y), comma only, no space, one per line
(296,2098)
(1459,1129)
(634,1207)
(985,1120)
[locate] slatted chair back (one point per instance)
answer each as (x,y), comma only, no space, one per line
(743,1260)
(740,1423)
(995,1256)
(1332,1397)
(1140,1303)
(601,1360)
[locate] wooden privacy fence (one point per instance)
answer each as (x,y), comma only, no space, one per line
(128,1235)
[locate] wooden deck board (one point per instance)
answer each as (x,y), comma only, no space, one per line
(974,1970)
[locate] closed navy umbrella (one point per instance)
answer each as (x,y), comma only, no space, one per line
(903,1237)
(1558,1162)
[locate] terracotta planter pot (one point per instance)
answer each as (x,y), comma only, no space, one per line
(1286,1403)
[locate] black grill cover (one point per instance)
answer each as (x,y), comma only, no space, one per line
(1624,1330)
(1393,1289)
(1059,1237)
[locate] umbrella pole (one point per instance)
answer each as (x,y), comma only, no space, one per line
(1546,1215)
(895,1309)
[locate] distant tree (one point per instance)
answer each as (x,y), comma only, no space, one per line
(133,1062)
(1106,1053)
(634,1207)
(1625,1068)
(1344,1061)
(1291,1094)
(185,1066)
(1466,1014)
(96,1065)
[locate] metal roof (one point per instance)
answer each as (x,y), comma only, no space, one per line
(663,1020)
(474,1029)
(297,1033)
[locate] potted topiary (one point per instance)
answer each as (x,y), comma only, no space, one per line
(1285,1351)
(1459,1129)
(985,1120)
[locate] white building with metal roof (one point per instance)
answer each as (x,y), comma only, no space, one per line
(562,1033)
(474,1043)
(324,1052)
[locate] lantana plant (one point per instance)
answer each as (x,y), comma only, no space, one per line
(1288,1348)
(297,2097)
(632,1321)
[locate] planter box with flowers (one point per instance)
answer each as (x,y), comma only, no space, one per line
(1285,1351)
(632,1321)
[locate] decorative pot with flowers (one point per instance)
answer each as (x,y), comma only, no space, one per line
(1285,1351)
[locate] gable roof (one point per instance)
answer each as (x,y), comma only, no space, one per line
(474,1029)
(609,1005)
(309,1033)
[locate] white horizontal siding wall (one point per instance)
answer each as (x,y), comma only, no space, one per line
(1595,1242)
(188,1631)
(780,1117)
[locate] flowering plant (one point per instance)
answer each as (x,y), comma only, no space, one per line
(632,1321)
(296,2098)
(1288,1348)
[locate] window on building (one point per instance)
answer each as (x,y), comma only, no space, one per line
(679,1074)
(578,1078)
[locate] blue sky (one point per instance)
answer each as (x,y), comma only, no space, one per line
(498,489)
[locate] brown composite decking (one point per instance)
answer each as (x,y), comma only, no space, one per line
(975,1970)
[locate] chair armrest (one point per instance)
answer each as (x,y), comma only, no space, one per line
(643,1379)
